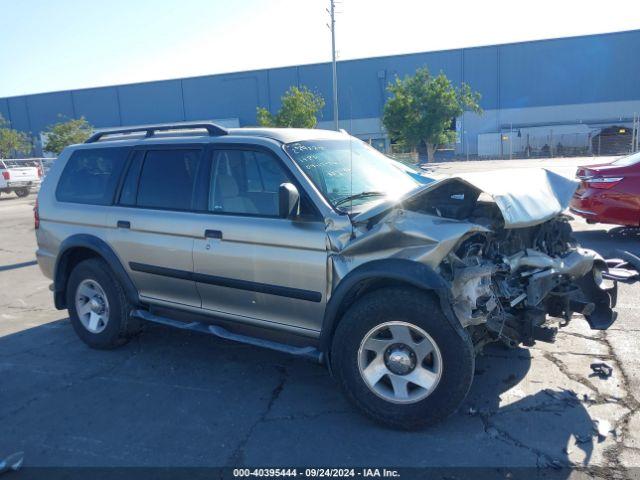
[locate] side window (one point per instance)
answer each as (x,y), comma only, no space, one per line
(130,184)
(91,176)
(168,178)
(270,172)
(254,182)
(245,182)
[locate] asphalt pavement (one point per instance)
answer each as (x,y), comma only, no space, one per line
(175,398)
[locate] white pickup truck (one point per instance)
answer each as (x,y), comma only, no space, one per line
(19,177)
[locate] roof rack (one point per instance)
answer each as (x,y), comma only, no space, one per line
(150,130)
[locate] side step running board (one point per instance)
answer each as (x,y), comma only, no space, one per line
(310,353)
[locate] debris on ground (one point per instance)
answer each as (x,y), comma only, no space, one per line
(603,427)
(618,435)
(601,370)
(12,463)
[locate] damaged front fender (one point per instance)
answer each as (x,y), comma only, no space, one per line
(380,272)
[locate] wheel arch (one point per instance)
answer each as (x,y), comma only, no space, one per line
(81,247)
(380,274)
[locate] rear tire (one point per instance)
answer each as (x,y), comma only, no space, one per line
(369,332)
(98,307)
(22,192)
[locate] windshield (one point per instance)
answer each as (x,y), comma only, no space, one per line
(350,172)
(628,161)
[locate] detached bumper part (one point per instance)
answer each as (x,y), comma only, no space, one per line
(603,295)
(600,286)
(625,269)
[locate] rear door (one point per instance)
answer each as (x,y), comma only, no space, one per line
(251,264)
(154,225)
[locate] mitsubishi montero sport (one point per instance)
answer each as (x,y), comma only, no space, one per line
(313,243)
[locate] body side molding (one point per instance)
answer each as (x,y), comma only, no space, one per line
(290,292)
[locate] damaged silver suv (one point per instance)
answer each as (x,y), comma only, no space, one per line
(313,243)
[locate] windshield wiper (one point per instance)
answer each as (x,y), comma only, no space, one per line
(358,196)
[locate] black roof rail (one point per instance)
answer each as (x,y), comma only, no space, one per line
(149,130)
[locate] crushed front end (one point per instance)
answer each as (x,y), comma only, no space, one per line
(503,244)
(506,282)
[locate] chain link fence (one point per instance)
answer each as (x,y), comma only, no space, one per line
(519,141)
(566,140)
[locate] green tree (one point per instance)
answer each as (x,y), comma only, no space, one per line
(300,109)
(422,107)
(12,142)
(64,133)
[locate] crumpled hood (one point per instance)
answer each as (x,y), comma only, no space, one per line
(525,197)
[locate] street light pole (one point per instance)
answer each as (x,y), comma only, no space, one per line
(333,61)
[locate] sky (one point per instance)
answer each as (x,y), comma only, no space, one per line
(49,45)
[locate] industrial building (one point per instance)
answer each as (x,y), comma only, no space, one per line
(539,96)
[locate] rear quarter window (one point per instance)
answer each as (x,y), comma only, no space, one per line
(91,176)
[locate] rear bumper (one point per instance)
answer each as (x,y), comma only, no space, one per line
(605,206)
(20,184)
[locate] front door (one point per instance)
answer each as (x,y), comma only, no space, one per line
(250,263)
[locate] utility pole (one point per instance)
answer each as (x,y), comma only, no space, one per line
(332,13)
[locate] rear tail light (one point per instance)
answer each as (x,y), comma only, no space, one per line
(6,174)
(603,182)
(36,216)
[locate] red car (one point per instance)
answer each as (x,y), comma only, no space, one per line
(609,193)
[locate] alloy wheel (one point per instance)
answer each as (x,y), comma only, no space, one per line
(400,362)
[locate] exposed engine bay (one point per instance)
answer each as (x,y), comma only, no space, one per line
(506,281)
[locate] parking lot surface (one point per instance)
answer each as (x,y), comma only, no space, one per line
(175,398)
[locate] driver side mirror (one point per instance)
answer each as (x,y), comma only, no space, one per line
(288,201)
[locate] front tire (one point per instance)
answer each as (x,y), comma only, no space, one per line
(98,307)
(400,361)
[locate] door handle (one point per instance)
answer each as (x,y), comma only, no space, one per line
(123,224)
(213,234)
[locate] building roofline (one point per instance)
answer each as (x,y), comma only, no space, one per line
(351,60)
